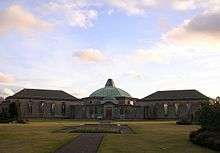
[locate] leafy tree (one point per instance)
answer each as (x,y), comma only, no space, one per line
(210,116)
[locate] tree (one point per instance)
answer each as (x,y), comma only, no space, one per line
(210,116)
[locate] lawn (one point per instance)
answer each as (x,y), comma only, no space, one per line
(153,137)
(149,137)
(34,137)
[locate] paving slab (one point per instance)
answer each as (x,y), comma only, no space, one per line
(84,143)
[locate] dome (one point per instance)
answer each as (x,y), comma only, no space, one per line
(110,91)
(109,99)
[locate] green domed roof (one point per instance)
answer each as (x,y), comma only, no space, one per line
(110,91)
(109,99)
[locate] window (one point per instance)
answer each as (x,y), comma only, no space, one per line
(30,107)
(176,109)
(121,111)
(63,108)
(91,111)
(131,103)
(41,107)
(53,108)
(188,106)
(96,110)
(165,106)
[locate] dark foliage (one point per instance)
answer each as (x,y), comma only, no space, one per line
(5,118)
(210,116)
(183,122)
(209,134)
(206,138)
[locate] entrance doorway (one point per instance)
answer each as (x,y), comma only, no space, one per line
(108,113)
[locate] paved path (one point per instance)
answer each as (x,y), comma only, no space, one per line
(84,143)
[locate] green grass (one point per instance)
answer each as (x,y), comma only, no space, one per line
(35,137)
(153,137)
(150,137)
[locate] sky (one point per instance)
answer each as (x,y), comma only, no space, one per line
(143,45)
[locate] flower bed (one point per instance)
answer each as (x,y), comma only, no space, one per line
(98,128)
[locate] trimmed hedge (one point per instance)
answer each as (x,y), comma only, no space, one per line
(206,138)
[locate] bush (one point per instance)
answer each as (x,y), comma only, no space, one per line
(210,116)
(4,118)
(183,121)
(206,138)
(209,134)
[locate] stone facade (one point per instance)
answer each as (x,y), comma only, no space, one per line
(106,103)
(41,108)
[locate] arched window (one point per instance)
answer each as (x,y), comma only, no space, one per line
(176,109)
(188,106)
(122,110)
(165,106)
(63,109)
(53,109)
(96,110)
(41,107)
(91,110)
(30,107)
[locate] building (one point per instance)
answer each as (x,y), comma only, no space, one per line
(1,104)
(35,103)
(108,103)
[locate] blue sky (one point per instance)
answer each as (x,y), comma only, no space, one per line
(76,45)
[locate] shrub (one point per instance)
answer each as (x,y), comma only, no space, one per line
(209,134)
(183,121)
(206,138)
(210,116)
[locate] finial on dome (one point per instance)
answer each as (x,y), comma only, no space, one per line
(110,83)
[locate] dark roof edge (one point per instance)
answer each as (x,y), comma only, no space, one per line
(174,99)
(59,99)
(17,97)
(145,98)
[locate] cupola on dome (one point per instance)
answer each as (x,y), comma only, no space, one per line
(110,91)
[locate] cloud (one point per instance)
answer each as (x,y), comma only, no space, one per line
(202,31)
(76,13)
(183,5)
(16,17)
(150,55)
(132,7)
(5,78)
(90,55)
(6,92)
(140,7)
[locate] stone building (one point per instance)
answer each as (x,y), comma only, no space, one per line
(172,104)
(37,103)
(108,103)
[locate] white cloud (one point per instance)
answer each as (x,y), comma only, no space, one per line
(5,92)
(183,4)
(75,12)
(16,17)
(140,7)
(132,7)
(201,32)
(5,78)
(152,55)
(90,55)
